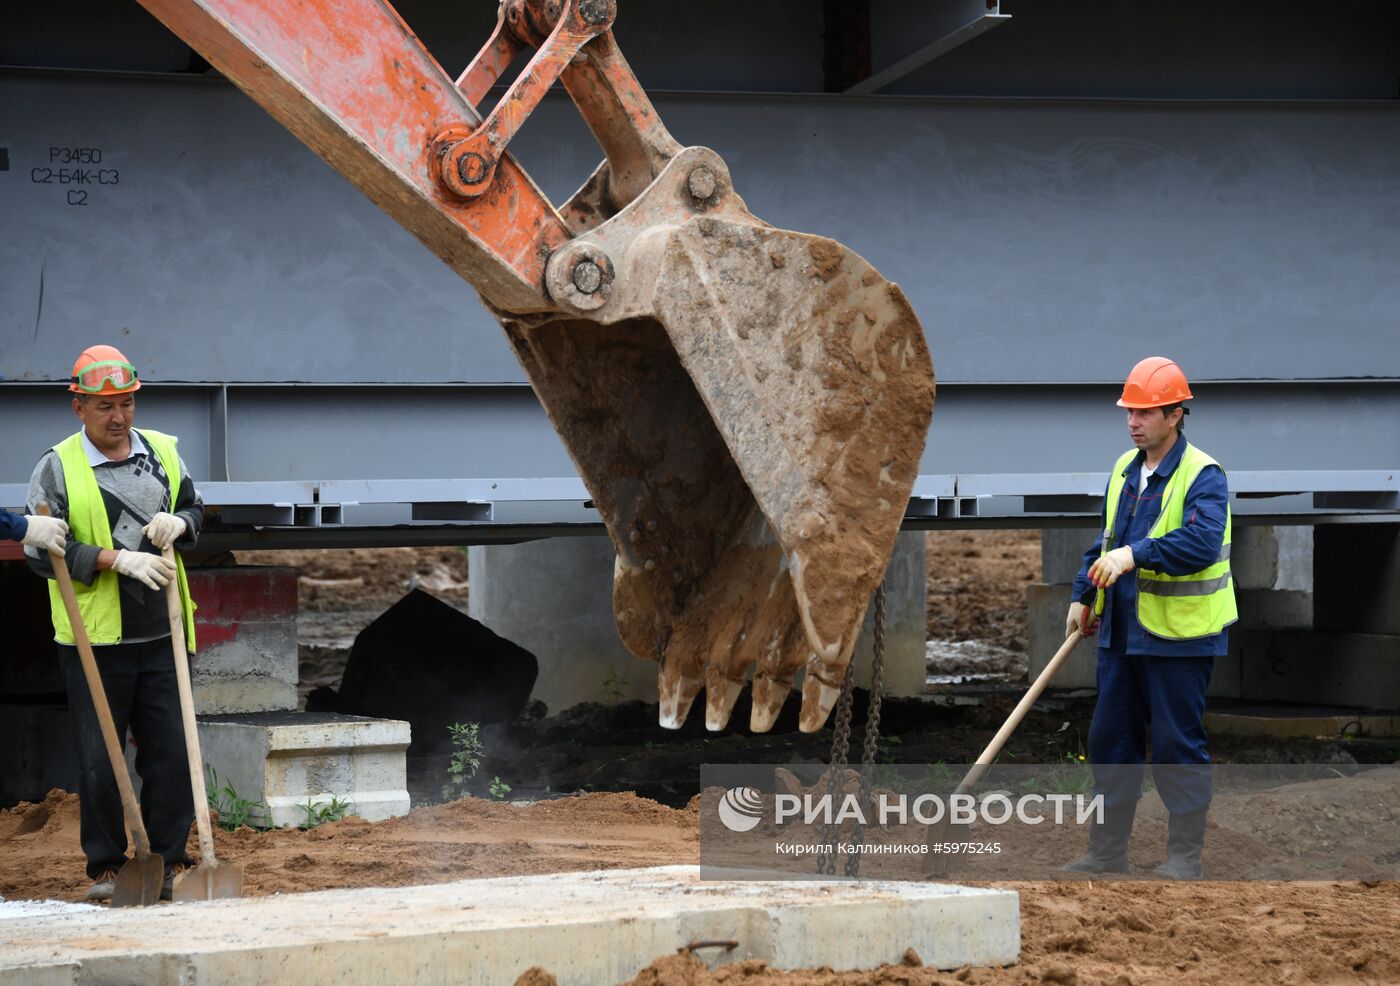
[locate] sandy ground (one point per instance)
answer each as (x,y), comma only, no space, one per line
(1074,932)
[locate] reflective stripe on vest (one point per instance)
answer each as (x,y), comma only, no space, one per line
(100,603)
(1176,607)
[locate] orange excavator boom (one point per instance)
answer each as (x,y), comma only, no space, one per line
(746,405)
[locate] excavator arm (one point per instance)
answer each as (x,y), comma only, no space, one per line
(746,405)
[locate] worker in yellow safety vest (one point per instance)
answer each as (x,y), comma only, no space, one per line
(1156,586)
(125,495)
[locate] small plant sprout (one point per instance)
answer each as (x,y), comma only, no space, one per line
(319,814)
(466,759)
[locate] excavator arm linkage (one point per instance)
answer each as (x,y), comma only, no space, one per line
(746,405)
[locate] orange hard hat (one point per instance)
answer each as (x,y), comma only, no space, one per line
(1155,382)
(103,370)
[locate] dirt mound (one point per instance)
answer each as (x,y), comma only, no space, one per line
(369,578)
(977,584)
(40,856)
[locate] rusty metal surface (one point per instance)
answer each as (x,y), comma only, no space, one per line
(352,81)
(746,405)
(749,420)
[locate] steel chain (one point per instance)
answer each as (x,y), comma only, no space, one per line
(840,749)
(872,728)
(841,743)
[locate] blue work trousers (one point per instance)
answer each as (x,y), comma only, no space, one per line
(1166,696)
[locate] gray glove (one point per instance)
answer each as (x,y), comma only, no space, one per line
(153,570)
(48,533)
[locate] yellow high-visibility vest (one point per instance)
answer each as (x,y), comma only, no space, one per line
(100,603)
(1177,607)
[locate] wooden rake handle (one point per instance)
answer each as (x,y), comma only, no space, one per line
(99,698)
(182,677)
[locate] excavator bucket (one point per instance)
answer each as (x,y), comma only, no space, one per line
(751,437)
(746,405)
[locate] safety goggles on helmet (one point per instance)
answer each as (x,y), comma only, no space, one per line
(95,377)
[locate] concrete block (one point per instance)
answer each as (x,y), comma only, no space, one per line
(588,929)
(1062,551)
(1357,578)
(286,758)
(247,635)
(1272,558)
(554,598)
(906,623)
(1046,606)
(1274,609)
(1319,668)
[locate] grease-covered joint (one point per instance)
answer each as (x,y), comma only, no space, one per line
(596,13)
(580,276)
(460,170)
(531,21)
(702,183)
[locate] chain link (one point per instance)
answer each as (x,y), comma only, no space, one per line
(841,744)
(872,728)
(840,748)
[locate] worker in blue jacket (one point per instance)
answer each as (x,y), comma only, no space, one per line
(1166,523)
(45,533)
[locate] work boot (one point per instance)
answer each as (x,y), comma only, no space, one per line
(167,886)
(1108,843)
(1186,834)
(101,890)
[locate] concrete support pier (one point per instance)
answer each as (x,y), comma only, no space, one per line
(554,598)
(588,929)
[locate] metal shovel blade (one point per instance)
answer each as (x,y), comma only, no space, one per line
(138,882)
(210,880)
(750,435)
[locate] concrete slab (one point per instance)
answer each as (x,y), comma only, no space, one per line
(586,928)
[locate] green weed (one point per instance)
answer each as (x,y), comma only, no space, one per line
(332,811)
(466,759)
(234,812)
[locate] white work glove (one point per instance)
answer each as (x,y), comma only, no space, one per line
(165,529)
(153,570)
(1080,618)
(1110,567)
(48,533)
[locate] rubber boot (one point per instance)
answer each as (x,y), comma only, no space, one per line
(1186,834)
(1108,843)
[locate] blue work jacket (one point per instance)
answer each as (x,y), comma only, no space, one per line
(1190,548)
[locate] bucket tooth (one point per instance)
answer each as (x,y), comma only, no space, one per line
(721,692)
(768,695)
(819,697)
(678,692)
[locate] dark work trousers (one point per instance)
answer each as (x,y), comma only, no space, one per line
(1168,696)
(142,693)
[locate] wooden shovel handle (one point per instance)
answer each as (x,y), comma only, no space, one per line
(182,677)
(1022,707)
(99,697)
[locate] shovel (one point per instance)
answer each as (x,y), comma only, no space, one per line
(138,881)
(936,864)
(210,879)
